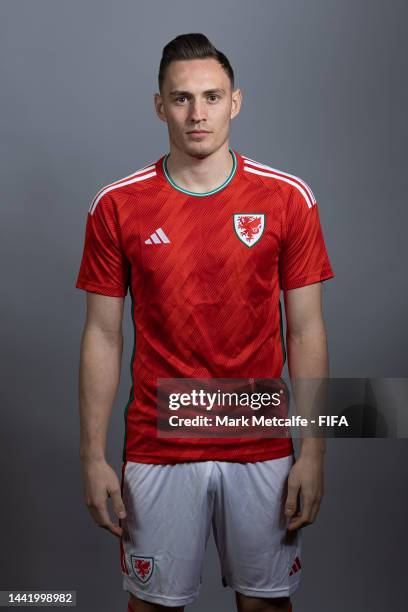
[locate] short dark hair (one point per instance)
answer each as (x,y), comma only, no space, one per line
(192,46)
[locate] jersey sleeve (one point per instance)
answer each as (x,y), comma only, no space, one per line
(303,259)
(104,268)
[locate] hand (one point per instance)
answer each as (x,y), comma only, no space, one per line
(101,482)
(305,476)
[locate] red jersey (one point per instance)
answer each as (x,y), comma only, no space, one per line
(204,272)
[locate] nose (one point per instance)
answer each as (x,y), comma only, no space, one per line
(197,111)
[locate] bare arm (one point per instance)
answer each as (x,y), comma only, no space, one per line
(99,375)
(307,359)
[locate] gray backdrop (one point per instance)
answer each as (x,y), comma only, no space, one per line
(325,98)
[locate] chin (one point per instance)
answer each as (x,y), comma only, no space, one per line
(200,149)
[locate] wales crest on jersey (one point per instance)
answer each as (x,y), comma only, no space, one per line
(249,227)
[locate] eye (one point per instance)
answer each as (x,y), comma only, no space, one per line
(180,98)
(214,97)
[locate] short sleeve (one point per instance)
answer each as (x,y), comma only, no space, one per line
(303,258)
(104,268)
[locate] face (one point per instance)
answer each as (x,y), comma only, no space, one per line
(197,103)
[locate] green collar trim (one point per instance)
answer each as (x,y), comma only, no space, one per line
(206,193)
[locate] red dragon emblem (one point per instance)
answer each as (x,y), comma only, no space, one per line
(249,227)
(142,567)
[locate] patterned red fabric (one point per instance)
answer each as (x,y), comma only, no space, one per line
(205,274)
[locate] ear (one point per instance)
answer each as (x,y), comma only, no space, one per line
(159,106)
(236,102)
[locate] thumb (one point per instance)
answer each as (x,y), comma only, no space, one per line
(117,503)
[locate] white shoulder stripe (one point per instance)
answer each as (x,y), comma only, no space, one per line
(256,164)
(305,186)
(253,162)
(139,175)
(282,178)
(144,169)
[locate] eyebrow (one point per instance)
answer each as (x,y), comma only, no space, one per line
(178,92)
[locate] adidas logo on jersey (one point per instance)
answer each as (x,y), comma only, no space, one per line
(158,237)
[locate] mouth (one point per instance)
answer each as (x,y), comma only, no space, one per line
(198,132)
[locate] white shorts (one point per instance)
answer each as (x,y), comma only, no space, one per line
(170,509)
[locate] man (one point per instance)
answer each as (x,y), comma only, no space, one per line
(205,239)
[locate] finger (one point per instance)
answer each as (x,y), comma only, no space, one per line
(303,517)
(315,510)
(107,524)
(306,517)
(295,523)
(101,517)
(291,500)
(117,504)
(307,503)
(114,529)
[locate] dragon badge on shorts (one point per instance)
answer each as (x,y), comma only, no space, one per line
(249,227)
(142,567)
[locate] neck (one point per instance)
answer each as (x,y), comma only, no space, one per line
(199,174)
